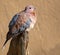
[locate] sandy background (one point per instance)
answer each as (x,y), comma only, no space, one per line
(45,37)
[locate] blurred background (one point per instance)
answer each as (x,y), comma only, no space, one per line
(44,39)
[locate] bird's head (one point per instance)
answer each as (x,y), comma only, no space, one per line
(30,8)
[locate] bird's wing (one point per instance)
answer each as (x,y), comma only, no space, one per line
(12,22)
(22,22)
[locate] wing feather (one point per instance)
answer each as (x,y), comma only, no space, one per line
(20,24)
(12,22)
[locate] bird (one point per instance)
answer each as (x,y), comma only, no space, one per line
(25,20)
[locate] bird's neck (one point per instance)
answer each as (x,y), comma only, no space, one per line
(32,13)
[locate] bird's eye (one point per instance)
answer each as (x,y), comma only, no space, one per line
(30,8)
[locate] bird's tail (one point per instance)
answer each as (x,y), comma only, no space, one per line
(8,37)
(4,44)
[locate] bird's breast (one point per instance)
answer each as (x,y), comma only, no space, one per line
(32,23)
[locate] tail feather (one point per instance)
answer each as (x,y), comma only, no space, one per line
(8,37)
(5,43)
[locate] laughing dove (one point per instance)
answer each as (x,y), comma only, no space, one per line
(22,21)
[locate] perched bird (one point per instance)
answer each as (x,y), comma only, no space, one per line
(22,21)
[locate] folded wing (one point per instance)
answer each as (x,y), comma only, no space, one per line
(19,23)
